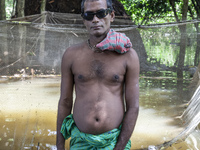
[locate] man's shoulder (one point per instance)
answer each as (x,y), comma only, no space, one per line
(72,50)
(131,54)
(131,57)
(76,47)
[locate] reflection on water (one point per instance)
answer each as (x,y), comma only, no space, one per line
(28,113)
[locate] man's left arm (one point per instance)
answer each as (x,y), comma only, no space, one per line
(131,99)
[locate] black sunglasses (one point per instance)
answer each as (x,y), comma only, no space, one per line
(100,14)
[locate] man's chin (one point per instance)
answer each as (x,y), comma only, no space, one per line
(98,33)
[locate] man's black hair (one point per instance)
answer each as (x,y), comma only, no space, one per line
(109,5)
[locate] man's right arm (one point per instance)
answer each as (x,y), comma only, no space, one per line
(66,97)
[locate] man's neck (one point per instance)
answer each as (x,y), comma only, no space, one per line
(94,40)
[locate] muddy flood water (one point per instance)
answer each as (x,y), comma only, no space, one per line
(28,109)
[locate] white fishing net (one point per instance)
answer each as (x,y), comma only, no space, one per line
(39,41)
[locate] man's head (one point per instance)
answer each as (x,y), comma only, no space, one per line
(109,4)
(97,16)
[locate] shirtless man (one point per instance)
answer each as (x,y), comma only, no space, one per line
(102,80)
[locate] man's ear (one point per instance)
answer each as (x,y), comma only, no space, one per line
(112,16)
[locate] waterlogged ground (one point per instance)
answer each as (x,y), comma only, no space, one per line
(28,113)
(29,107)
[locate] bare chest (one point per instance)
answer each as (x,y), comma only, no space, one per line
(110,69)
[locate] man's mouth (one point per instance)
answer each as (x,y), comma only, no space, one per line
(96,27)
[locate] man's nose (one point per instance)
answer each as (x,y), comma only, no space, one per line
(95,19)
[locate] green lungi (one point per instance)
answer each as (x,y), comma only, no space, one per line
(83,141)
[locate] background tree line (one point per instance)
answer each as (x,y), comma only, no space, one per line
(162,11)
(141,11)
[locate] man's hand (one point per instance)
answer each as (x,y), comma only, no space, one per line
(60,148)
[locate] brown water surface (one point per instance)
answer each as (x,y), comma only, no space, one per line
(29,107)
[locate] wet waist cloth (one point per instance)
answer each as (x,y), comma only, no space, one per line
(83,141)
(115,41)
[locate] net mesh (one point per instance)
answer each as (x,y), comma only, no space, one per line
(38,42)
(191,119)
(35,45)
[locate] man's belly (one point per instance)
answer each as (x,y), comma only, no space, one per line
(96,116)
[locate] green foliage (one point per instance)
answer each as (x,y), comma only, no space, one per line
(9,8)
(163,44)
(143,11)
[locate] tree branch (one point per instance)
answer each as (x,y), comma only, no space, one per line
(184,9)
(172,3)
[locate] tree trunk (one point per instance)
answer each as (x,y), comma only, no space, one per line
(183,44)
(184,10)
(2,10)
(182,28)
(43,6)
(20,5)
(172,3)
(197,54)
(42,40)
(196,4)
(197,8)
(183,41)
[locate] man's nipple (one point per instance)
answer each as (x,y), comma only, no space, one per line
(97,119)
(80,77)
(116,77)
